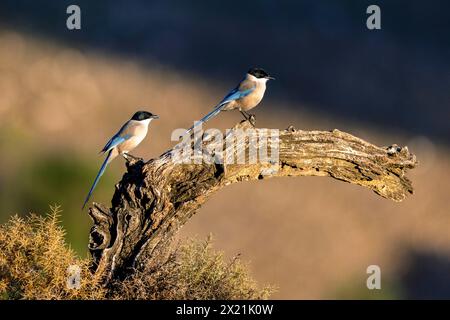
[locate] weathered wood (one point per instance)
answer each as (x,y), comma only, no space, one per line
(156,198)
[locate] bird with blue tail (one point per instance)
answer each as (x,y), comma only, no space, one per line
(126,139)
(246,96)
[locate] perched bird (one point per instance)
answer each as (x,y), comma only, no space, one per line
(247,95)
(126,139)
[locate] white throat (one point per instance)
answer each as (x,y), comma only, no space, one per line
(145,122)
(258,80)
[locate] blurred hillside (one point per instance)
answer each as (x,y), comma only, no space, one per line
(321,51)
(313,237)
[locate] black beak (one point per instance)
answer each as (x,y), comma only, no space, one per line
(270,78)
(155,116)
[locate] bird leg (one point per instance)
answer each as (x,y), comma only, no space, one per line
(249,117)
(244,114)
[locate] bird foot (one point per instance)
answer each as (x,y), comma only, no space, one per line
(130,158)
(132,162)
(252,120)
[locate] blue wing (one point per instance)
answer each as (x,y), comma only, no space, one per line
(235,94)
(232,95)
(117,139)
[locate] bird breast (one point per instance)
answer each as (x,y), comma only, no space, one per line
(137,131)
(254,98)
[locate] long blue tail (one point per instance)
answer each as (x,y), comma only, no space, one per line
(210,115)
(99,174)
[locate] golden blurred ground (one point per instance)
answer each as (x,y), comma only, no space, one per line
(312,237)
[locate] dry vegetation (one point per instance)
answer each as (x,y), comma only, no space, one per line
(34,259)
(192,271)
(34,262)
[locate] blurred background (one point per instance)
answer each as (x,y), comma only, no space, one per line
(64,93)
